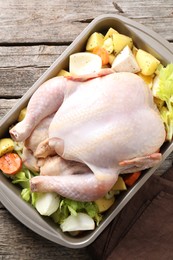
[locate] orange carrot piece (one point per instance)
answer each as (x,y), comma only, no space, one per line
(103,54)
(131,178)
(10,163)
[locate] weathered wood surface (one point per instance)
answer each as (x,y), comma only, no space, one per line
(32,35)
(61,21)
(19,243)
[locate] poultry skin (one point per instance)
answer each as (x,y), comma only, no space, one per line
(107,124)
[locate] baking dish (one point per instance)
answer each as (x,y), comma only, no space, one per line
(143,38)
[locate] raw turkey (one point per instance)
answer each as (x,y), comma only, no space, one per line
(109,124)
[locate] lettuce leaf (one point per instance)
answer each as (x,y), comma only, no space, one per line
(163,90)
(70,207)
(22,178)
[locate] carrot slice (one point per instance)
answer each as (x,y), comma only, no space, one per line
(102,53)
(131,178)
(10,163)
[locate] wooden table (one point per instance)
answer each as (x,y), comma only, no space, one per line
(32,35)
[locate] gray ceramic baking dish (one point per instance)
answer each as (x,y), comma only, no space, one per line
(10,195)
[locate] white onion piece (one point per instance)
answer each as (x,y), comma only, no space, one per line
(79,222)
(47,203)
(83,63)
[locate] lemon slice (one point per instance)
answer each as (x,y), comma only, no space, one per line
(84,63)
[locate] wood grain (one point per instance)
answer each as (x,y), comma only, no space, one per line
(6,105)
(17,242)
(21,66)
(58,21)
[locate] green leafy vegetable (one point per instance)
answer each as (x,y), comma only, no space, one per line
(163,90)
(18,147)
(70,207)
(26,194)
(22,178)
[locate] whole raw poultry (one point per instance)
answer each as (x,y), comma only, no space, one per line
(108,125)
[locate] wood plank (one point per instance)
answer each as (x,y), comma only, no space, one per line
(21,66)
(6,105)
(29,56)
(157,15)
(37,21)
(15,82)
(44,21)
(18,242)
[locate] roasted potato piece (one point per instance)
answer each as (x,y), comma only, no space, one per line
(109,33)
(147,62)
(22,114)
(6,146)
(119,185)
(104,204)
(63,73)
(120,41)
(148,79)
(95,40)
(108,45)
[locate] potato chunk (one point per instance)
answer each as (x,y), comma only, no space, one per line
(147,62)
(108,45)
(120,184)
(6,146)
(63,73)
(22,114)
(109,33)
(148,79)
(104,204)
(95,40)
(120,41)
